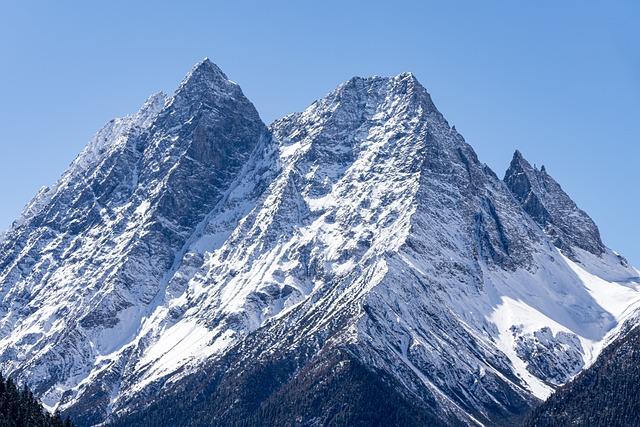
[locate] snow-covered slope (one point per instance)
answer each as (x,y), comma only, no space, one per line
(91,258)
(189,237)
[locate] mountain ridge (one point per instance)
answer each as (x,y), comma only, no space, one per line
(363,226)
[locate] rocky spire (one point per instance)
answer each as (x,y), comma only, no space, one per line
(204,73)
(546,202)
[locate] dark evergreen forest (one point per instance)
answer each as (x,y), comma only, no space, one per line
(19,408)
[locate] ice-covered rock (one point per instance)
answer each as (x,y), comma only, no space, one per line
(552,358)
(547,203)
(361,232)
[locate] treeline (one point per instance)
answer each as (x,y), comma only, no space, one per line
(19,408)
(606,394)
(333,390)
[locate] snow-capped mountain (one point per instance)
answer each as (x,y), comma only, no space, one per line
(189,247)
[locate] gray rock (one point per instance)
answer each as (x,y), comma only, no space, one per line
(553,358)
(191,240)
(542,197)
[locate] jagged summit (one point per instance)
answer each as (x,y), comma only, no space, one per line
(361,104)
(403,87)
(205,69)
(546,202)
(207,87)
(205,75)
(357,244)
(114,226)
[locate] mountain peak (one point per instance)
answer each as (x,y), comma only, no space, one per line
(407,76)
(519,163)
(406,79)
(551,207)
(190,246)
(205,76)
(207,88)
(391,93)
(408,84)
(208,68)
(518,156)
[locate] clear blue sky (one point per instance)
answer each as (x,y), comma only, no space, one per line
(560,80)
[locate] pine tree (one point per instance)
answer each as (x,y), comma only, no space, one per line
(20,408)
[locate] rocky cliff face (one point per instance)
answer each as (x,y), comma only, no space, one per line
(602,395)
(545,201)
(90,258)
(190,247)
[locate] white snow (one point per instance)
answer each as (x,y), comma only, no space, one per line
(322,221)
(591,323)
